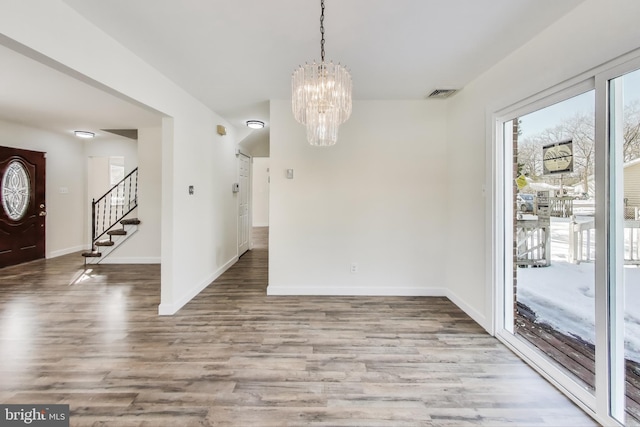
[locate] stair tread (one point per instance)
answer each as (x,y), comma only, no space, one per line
(130,221)
(91,254)
(116,232)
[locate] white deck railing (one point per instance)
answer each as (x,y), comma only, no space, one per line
(533,242)
(582,242)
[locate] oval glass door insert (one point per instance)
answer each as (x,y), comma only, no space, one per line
(15,190)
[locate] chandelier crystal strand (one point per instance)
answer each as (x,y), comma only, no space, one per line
(321,97)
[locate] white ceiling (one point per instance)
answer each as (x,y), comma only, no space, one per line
(35,94)
(236,55)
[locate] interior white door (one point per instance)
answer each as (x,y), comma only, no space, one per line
(244,175)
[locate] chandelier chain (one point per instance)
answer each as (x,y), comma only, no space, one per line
(322,31)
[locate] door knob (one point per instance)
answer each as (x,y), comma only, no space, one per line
(43,213)
(41,205)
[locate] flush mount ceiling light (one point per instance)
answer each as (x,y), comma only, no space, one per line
(321,96)
(255,124)
(84,134)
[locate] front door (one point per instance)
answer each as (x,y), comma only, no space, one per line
(22,215)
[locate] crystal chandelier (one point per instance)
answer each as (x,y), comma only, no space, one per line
(321,96)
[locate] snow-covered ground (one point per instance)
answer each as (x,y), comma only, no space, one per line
(562,295)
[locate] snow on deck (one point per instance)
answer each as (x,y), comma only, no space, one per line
(562,295)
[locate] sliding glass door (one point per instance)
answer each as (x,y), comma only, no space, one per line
(550,203)
(567,258)
(624,229)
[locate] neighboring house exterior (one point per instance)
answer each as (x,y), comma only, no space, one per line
(632,183)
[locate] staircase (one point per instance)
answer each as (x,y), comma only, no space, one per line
(108,218)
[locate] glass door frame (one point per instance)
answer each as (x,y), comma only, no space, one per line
(610,373)
(609,396)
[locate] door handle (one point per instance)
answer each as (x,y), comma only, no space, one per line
(43,213)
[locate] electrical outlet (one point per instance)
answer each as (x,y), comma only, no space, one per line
(354,267)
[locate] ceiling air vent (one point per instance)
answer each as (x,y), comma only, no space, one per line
(442,93)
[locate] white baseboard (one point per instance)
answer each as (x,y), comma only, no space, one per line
(478,317)
(131,260)
(401,291)
(67,251)
(165,309)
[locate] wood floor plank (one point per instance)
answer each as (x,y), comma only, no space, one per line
(236,357)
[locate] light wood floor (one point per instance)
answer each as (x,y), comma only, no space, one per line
(235,357)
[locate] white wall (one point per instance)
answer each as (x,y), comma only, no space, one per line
(199,238)
(260,150)
(66,169)
(260,191)
(376,198)
(593,33)
(98,181)
(144,246)
(107,145)
(98,151)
